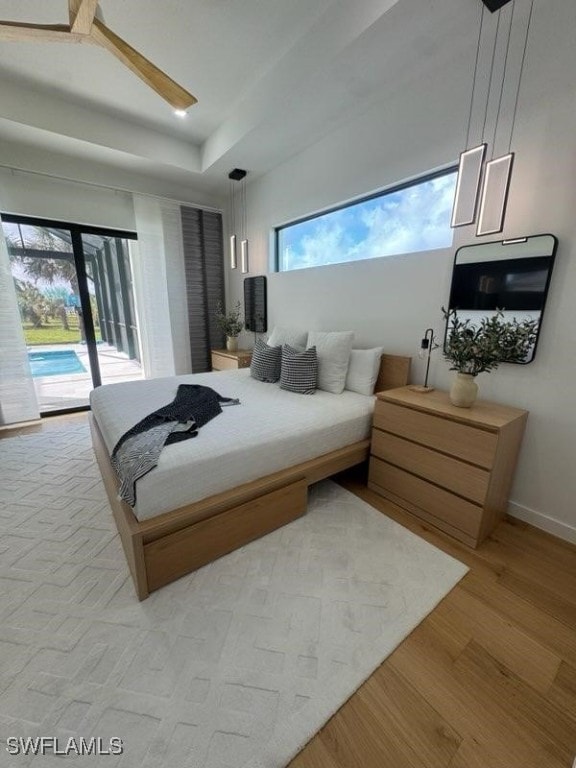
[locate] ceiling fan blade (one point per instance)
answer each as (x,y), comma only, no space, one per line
(82,14)
(17,32)
(168,89)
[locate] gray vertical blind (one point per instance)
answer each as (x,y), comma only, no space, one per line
(204,270)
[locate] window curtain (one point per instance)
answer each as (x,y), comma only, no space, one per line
(17,394)
(204,268)
(158,274)
(178,273)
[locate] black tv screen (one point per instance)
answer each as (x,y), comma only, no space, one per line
(509,284)
(255,304)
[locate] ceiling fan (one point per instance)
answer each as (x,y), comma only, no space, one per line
(86,26)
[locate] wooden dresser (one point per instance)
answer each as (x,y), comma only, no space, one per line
(451,467)
(222,360)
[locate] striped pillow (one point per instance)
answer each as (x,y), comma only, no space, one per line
(299,370)
(266,361)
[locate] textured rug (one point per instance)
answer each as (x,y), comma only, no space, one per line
(234,666)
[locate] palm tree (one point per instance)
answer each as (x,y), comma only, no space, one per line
(32,305)
(61,269)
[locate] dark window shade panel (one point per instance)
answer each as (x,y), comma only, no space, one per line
(204,270)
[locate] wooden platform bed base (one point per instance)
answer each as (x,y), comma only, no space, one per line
(161,549)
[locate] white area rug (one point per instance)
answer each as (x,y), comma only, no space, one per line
(234,666)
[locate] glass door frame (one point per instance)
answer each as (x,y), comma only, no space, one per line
(76,231)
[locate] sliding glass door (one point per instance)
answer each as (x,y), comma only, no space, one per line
(74,292)
(109,275)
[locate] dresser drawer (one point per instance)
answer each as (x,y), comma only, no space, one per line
(460,440)
(465,479)
(441,505)
(223,362)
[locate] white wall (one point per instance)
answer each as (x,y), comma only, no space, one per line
(58,186)
(44,197)
(418,128)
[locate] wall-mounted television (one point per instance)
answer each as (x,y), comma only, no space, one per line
(255,304)
(508,275)
(519,284)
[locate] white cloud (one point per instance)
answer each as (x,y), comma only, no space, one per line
(414,219)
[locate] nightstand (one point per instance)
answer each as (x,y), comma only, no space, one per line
(222,360)
(451,467)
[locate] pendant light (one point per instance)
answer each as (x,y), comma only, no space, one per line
(233,253)
(497,172)
(244,243)
(471,160)
(237,174)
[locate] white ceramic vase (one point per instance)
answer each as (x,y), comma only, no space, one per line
(232,343)
(464,390)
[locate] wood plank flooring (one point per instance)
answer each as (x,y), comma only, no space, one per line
(488,680)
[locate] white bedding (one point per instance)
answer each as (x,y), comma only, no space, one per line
(270,430)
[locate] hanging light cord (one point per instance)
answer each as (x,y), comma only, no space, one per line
(503,79)
(520,75)
(491,76)
(474,79)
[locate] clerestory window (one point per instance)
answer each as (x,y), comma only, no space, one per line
(404,219)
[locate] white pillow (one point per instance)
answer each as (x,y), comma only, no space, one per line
(291,336)
(333,350)
(363,370)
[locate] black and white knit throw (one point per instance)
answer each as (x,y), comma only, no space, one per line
(138,450)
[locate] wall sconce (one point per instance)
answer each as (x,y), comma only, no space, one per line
(427,346)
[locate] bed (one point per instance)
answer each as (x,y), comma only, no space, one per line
(246,473)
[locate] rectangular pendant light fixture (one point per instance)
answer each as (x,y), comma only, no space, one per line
(495,195)
(235,175)
(244,256)
(468,186)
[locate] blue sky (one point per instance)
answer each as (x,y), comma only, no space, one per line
(413,219)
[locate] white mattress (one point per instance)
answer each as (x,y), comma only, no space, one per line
(270,430)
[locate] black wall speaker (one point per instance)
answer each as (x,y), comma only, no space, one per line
(494,5)
(255,306)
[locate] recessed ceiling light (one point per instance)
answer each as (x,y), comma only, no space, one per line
(180,112)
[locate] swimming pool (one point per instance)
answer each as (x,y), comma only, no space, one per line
(57,362)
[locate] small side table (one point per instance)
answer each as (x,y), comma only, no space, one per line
(222,360)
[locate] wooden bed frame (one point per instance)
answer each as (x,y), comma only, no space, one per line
(161,549)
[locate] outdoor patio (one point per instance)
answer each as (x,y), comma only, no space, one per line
(72,390)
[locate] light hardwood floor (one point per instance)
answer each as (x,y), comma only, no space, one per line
(488,680)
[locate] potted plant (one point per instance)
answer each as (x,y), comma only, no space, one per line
(230,324)
(474,348)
